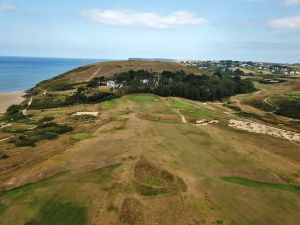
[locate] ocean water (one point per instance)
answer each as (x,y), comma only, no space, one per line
(21,73)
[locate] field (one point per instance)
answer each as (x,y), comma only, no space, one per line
(139,162)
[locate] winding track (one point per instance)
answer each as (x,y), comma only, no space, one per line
(28,105)
(270,104)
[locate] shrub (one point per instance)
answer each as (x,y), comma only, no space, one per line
(58,86)
(85,118)
(14,109)
(48,102)
(3,156)
(46,119)
(47,131)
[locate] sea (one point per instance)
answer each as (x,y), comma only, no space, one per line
(21,73)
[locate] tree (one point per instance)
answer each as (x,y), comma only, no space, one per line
(78,96)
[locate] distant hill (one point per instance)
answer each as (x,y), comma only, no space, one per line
(152,59)
(108,69)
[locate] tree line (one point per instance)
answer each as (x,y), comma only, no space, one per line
(180,84)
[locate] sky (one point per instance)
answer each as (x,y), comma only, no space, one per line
(258,30)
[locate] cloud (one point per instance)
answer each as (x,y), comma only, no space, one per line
(7,7)
(292,2)
(128,18)
(285,22)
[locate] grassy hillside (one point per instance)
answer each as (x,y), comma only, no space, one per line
(108,69)
(143,159)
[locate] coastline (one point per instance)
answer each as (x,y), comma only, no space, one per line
(10,98)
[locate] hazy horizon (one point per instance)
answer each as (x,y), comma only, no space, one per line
(154,58)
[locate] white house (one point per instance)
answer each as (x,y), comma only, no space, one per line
(113,84)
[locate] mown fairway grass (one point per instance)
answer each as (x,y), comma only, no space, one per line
(23,190)
(258,184)
(143,98)
(110,104)
(188,109)
(56,213)
(2,208)
(48,205)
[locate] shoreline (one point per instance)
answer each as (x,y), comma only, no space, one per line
(10,98)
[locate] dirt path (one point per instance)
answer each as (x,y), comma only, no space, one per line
(28,105)
(183,118)
(95,73)
(5,139)
(270,104)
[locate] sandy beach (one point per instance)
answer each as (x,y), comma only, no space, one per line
(9,98)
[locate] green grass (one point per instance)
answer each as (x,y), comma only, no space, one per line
(30,187)
(48,101)
(44,131)
(188,109)
(258,184)
(143,98)
(2,208)
(180,104)
(103,175)
(60,213)
(154,182)
(295,94)
(110,104)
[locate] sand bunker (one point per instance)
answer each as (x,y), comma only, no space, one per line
(258,128)
(86,113)
(205,122)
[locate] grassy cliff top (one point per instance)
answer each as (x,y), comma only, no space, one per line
(108,69)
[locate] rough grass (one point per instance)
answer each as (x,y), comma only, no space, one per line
(104,174)
(58,213)
(295,94)
(258,184)
(154,182)
(260,104)
(80,136)
(46,131)
(112,208)
(85,118)
(151,181)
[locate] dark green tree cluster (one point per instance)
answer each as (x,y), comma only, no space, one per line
(183,85)
(82,96)
(96,82)
(289,108)
(137,81)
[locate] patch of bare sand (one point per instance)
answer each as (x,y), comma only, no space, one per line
(258,128)
(10,98)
